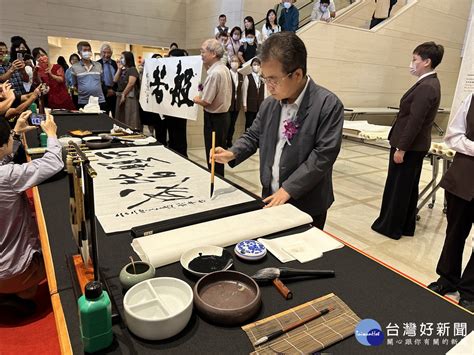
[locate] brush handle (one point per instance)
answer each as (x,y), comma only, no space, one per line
(286,272)
(282,289)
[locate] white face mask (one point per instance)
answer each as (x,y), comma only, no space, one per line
(234,65)
(287,5)
(86,55)
(412,67)
(323,8)
(122,61)
(250,40)
(256,69)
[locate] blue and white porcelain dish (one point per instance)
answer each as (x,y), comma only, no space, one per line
(250,250)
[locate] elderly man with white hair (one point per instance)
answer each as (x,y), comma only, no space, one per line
(215,97)
(109,67)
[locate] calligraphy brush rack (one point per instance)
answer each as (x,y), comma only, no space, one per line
(82,215)
(82,210)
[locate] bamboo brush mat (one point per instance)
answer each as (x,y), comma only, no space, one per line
(310,337)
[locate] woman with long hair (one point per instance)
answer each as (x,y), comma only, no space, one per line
(249,25)
(128,86)
(270,26)
(62,62)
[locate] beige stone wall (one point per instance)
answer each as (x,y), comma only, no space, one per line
(148,22)
(369,68)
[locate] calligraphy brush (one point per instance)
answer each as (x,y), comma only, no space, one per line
(213,161)
(292,326)
(271,273)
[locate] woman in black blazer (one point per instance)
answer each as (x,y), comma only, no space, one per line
(410,140)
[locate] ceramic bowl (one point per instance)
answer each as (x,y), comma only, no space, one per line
(99,143)
(219,259)
(250,250)
(129,276)
(158,308)
(227,297)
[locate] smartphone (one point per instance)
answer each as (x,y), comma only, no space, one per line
(19,56)
(37,118)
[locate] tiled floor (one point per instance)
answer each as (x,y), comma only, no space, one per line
(359,178)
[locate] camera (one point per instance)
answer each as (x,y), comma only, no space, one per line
(36,119)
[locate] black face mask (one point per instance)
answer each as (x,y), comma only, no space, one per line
(22,51)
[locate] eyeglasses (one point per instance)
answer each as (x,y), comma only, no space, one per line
(274,81)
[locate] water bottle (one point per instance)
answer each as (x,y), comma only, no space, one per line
(33,108)
(43,139)
(95,318)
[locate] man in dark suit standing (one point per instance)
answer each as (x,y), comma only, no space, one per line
(298,131)
(459,186)
(410,140)
(109,67)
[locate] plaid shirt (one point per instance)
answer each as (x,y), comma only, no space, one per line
(15,79)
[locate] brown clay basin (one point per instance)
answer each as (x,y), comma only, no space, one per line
(227,297)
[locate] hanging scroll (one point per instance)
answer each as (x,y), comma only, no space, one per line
(170,84)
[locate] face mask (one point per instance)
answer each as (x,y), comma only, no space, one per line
(122,61)
(323,8)
(256,69)
(287,5)
(250,40)
(236,37)
(86,55)
(412,67)
(234,65)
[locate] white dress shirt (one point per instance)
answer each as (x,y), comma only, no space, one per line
(288,111)
(425,75)
(455,137)
(317,14)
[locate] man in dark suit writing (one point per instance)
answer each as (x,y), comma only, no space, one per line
(298,131)
(410,140)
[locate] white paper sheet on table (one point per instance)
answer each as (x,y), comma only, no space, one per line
(141,185)
(166,247)
(304,247)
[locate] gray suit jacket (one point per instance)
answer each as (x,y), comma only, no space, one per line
(306,164)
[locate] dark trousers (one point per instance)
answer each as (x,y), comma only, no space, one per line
(400,196)
(233,119)
(219,123)
(74,100)
(249,118)
(176,128)
(110,103)
(460,215)
(319,220)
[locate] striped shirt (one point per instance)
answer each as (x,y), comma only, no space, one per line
(88,81)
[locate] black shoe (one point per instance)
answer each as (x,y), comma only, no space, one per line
(440,289)
(469,305)
(18,305)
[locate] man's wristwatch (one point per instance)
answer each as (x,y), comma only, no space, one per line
(16,136)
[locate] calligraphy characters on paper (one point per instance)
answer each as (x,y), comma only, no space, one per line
(182,85)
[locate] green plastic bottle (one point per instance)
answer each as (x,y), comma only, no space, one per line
(95,318)
(33,108)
